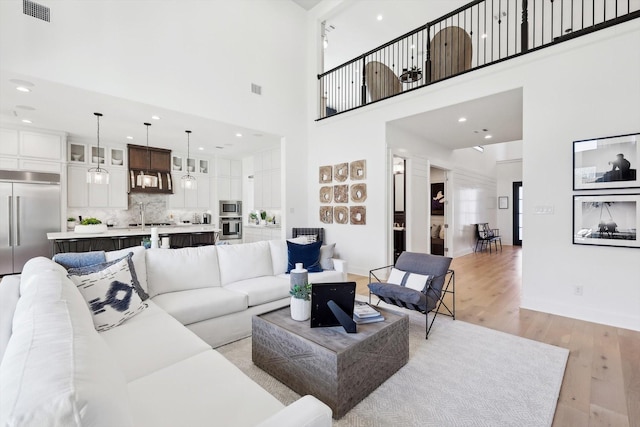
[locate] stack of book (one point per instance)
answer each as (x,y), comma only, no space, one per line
(364,313)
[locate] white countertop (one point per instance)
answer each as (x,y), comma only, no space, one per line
(277,226)
(135,231)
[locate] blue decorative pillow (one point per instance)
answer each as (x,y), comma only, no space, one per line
(111,290)
(79,259)
(308,255)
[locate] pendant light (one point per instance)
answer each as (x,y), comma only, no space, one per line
(188,181)
(98,175)
(145,179)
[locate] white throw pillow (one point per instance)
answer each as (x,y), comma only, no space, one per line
(417,282)
(111,290)
(396,276)
(326,256)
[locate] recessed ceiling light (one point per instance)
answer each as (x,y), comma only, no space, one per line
(379,17)
(23,89)
(487,137)
(201,148)
(479,148)
(129,137)
(26,121)
(239,135)
(462,119)
(484,36)
(413,46)
(155,117)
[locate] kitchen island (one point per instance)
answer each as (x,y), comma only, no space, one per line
(118,238)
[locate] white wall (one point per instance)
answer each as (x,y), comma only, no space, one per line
(509,171)
(586,87)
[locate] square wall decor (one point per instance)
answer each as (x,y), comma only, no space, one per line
(358,215)
(326,214)
(325,174)
(358,193)
(341,214)
(341,193)
(326,194)
(358,170)
(341,172)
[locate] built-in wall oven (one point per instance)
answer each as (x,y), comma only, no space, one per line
(230,227)
(230,208)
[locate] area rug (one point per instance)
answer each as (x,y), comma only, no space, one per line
(463,375)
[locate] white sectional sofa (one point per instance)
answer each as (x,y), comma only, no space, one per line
(150,370)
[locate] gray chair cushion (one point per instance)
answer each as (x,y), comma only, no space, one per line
(399,293)
(434,265)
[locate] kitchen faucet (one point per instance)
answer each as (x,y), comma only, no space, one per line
(141,215)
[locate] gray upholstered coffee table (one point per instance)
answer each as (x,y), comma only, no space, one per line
(338,368)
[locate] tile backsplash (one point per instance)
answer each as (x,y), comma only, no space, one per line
(155,211)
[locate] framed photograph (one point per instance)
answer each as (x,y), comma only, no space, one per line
(503,202)
(437,199)
(606,220)
(606,163)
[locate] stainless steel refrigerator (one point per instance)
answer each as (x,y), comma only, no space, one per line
(29,209)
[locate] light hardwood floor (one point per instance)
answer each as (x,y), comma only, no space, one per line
(601,385)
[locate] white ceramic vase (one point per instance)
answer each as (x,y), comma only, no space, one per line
(300,309)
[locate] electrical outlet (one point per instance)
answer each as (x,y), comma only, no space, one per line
(578,290)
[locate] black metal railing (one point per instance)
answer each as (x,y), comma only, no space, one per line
(478,34)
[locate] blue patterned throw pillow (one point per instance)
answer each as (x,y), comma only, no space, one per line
(111,290)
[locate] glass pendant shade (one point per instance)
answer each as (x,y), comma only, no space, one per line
(98,175)
(144,178)
(188,181)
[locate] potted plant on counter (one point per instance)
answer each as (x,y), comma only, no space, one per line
(300,302)
(90,226)
(71,223)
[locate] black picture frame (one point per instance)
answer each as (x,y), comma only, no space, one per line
(606,220)
(437,199)
(606,163)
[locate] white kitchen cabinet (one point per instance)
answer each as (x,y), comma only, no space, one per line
(223,184)
(223,167)
(77,194)
(82,195)
(266,180)
(190,199)
(235,190)
(40,145)
(9,142)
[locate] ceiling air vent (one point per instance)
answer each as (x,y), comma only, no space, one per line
(36,10)
(257,89)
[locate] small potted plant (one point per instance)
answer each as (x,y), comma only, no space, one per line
(253,218)
(91,226)
(263,218)
(300,302)
(71,223)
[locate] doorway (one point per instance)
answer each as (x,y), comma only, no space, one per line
(399,207)
(437,210)
(517,213)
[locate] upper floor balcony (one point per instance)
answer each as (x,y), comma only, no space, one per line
(476,35)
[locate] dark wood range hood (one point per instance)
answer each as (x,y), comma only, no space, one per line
(153,161)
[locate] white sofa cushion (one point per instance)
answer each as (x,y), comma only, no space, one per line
(111,290)
(246,261)
(201,304)
(139,262)
(56,368)
(140,349)
(171,270)
(225,397)
(263,289)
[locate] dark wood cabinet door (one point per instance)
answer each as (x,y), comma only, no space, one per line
(138,158)
(161,160)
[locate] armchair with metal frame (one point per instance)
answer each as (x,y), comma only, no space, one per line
(439,283)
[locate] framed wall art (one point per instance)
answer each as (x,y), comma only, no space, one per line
(437,199)
(606,220)
(606,163)
(503,202)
